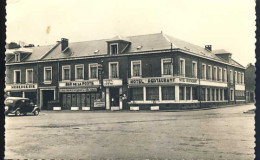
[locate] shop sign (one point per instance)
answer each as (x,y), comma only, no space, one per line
(157,80)
(187,80)
(21,86)
(79,83)
(78,89)
(99,103)
(112,82)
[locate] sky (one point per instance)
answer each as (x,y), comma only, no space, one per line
(224,24)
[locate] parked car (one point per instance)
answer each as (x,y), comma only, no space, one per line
(20,106)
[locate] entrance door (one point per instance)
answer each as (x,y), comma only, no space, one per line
(47,95)
(114,96)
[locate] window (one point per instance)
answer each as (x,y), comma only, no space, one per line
(166,66)
(225,94)
(152,93)
(182,67)
(79,72)
(213,94)
(113,70)
(215,73)
(93,71)
(188,97)
(220,74)
(17,76)
(203,72)
(136,70)
(137,93)
(168,93)
(181,94)
(17,57)
(203,94)
(210,72)
(235,76)
(194,69)
(47,74)
(231,94)
(231,76)
(114,48)
(221,94)
(242,78)
(225,75)
(239,78)
(217,94)
(65,73)
(29,75)
(194,93)
(208,94)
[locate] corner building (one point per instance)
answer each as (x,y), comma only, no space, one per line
(154,71)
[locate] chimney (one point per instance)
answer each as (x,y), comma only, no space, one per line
(208,47)
(64,44)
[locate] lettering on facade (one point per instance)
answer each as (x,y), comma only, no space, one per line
(84,83)
(188,80)
(78,90)
(99,103)
(112,82)
(151,80)
(21,86)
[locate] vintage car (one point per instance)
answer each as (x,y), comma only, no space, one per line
(20,106)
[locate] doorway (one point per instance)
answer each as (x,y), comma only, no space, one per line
(114,96)
(47,95)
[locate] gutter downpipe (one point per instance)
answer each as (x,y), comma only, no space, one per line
(199,82)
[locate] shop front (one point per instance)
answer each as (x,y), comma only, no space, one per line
(22,90)
(81,95)
(161,92)
(113,88)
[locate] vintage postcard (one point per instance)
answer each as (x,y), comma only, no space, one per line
(97,79)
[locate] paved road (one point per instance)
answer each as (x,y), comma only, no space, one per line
(224,133)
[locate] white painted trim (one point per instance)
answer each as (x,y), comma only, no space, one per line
(132,69)
(63,73)
(110,72)
(115,108)
(240,100)
(162,68)
(177,93)
(26,76)
(154,108)
(74,108)
(144,93)
(57,108)
(76,72)
(163,102)
(240,87)
(15,76)
(120,99)
(107,99)
(89,70)
(134,108)
(85,108)
(44,75)
(184,72)
(111,48)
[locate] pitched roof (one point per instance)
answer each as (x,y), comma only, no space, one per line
(139,43)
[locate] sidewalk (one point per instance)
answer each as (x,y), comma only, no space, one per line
(180,110)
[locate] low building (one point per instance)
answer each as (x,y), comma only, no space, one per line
(154,71)
(250,82)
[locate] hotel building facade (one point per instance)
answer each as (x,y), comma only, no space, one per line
(154,71)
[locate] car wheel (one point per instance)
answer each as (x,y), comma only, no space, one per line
(36,112)
(17,113)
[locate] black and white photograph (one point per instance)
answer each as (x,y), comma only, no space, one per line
(118,79)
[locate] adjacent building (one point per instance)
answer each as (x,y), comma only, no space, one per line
(154,71)
(250,77)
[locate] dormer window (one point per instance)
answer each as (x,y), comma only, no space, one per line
(17,57)
(113,48)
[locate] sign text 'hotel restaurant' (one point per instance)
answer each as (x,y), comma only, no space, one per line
(161,80)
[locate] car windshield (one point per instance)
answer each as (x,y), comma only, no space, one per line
(9,101)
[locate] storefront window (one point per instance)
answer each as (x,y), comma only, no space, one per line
(221,96)
(181,95)
(168,93)
(213,94)
(137,93)
(194,93)
(208,94)
(188,93)
(217,94)
(152,93)
(225,94)
(203,90)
